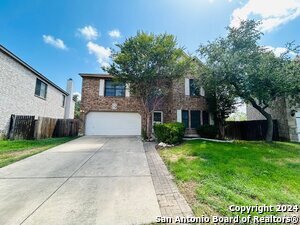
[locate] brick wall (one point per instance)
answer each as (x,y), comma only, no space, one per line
(91,101)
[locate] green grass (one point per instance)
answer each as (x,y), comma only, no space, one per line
(12,151)
(213,176)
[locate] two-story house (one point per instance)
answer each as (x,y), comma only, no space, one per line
(109,109)
(25,91)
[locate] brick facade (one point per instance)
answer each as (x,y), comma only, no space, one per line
(175,100)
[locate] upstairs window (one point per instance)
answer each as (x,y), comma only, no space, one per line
(114,89)
(194,89)
(40,89)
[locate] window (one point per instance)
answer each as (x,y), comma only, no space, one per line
(194,89)
(63,100)
(157,117)
(40,89)
(114,89)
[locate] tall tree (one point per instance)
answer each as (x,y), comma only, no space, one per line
(149,63)
(77,106)
(220,97)
(254,73)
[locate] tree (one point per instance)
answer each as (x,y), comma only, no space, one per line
(253,72)
(77,106)
(148,63)
(220,97)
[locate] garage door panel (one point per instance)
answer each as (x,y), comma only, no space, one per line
(113,123)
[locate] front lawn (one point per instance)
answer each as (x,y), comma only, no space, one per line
(12,151)
(212,176)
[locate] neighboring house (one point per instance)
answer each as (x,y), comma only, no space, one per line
(25,91)
(107,109)
(288,118)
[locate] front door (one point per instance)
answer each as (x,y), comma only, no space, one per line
(185,118)
(195,119)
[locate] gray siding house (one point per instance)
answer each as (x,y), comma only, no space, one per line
(25,91)
(288,118)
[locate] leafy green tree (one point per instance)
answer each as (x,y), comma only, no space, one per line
(220,97)
(149,63)
(254,73)
(77,106)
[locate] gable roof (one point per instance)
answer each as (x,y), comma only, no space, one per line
(20,61)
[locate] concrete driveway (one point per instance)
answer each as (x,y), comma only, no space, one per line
(91,180)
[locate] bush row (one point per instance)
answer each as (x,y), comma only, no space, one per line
(172,133)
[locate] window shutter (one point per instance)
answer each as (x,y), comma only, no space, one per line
(202,91)
(211,119)
(101,87)
(179,117)
(127,91)
(187,86)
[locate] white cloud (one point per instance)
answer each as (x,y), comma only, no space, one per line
(114,33)
(279,50)
(89,32)
(102,54)
(56,42)
(78,94)
(272,13)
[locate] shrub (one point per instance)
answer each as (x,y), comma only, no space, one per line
(208,131)
(170,133)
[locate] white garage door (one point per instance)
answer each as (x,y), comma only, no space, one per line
(298,124)
(113,123)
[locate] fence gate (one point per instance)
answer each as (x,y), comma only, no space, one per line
(21,127)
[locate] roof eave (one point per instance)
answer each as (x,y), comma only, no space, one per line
(16,58)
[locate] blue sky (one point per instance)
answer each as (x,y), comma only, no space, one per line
(63,38)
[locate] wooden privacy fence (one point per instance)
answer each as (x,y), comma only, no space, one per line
(44,127)
(250,130)
(26,127)
(21,127)
(66,127)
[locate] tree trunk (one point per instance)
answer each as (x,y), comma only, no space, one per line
(268,116)
(269,136)
(148,125)
(221,129)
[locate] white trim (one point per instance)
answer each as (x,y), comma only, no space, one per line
(211,119)
(101,87)
(127,91)
(179,116)
(187,86)
(202,91)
